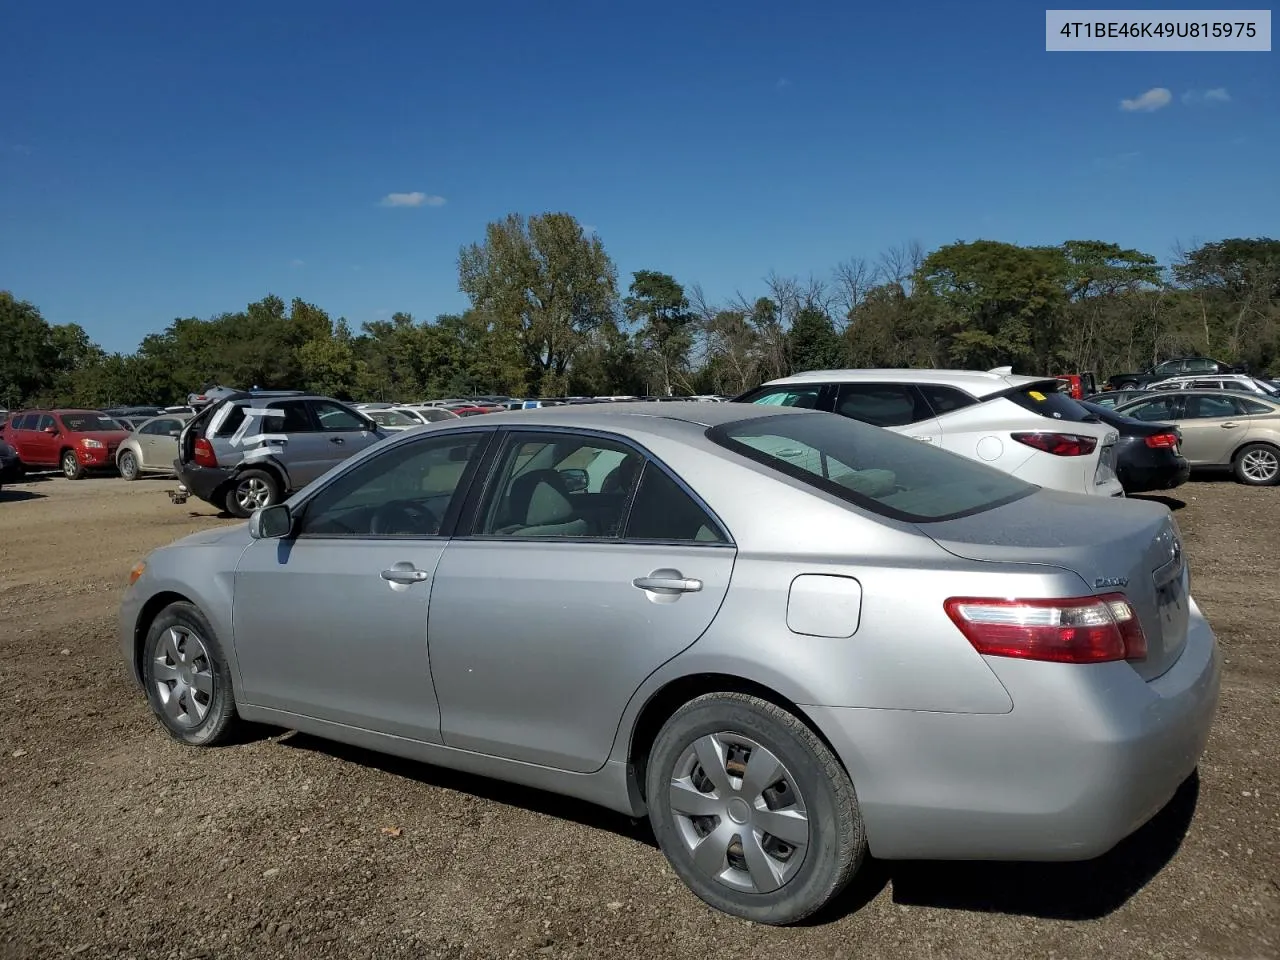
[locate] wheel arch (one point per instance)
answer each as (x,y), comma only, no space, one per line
(675,693)
(147,616)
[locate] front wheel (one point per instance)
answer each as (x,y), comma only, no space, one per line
(1257,464)
(754,812)
(72,469)
(187,679)
(250,491)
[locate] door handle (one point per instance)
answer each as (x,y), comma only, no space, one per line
(404,576)
(337,440)
(1229,425)
(668,584)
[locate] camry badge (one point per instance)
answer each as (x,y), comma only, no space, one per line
(1110,582)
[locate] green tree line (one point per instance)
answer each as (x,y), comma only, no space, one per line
(547,317)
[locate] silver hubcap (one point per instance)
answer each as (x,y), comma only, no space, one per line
(253,494)
(69,464)
(183,676)
(128,465)
(738,811)
(1260,465)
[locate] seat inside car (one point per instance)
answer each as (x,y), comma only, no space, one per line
(540,505)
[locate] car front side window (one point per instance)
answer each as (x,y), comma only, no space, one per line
(408,491)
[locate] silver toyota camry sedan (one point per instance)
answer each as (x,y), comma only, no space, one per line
(789,639)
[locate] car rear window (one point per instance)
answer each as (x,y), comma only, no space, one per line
(1048,402)
(89,422)
(872,468)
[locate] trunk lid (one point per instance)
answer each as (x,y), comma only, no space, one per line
(1114,546)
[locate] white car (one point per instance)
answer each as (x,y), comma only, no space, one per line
(1239,382)
(1021,425)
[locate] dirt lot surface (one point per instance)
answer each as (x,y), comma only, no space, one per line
(117,842)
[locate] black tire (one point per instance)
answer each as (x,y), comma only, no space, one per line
(1128,385)
(128,465)
(211,719)
(72,468)
(245,480)
(836,839)
(1257,465)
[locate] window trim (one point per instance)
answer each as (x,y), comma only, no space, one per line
(448,523)
(719,435)
(480,495)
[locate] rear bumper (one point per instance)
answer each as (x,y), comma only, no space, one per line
(1141,477)
(1087,755)
(207,483)
(10,470)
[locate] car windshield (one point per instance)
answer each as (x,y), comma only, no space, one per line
(1048,402)
(89,422)
(871,467)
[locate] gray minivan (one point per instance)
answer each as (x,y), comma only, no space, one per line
(251,449)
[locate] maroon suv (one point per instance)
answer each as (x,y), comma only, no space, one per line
(76,441)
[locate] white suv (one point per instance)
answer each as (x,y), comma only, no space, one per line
(1021,425)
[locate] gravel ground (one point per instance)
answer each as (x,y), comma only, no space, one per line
(117,842)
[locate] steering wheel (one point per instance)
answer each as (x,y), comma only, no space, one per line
(403,517)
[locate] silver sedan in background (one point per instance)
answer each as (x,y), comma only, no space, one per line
(790,639)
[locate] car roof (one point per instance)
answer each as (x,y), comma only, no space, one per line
(980,383)
(1160,394)
(678,418)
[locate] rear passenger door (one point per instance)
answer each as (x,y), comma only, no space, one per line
(552,611)
(305,453)
(345,432)
(900,407)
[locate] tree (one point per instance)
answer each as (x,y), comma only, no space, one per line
(657,305)
(812,341)
(28,360)
(992,298)
(545,283)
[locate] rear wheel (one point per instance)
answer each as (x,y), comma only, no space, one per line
(1128,385)
(250,491)
(755,814)
(72,469)
(128,465)
(1257,464)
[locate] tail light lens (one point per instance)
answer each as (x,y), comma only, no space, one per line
(1075,630)
(1059,444)
(1162,441)
(204,455)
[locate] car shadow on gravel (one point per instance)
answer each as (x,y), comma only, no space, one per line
(499,791)
(1173,503)
(13,496)
(1085,890)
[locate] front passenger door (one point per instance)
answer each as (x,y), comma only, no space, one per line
(332,622)
(550,615)
(345,432)
(1212,427)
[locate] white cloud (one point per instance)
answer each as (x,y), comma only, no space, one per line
(1153,99)
(1215,95)
(415,199)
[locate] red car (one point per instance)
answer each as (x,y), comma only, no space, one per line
(76,441)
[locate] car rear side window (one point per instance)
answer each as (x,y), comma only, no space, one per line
(1048,402)
(875,469)
(662,510)
(28,421)
(882,404)
(231,422)
(1254,407)
(945,399)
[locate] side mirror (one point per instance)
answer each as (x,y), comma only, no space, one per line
(271,523)
(575,479)
(175,433)
(51,431)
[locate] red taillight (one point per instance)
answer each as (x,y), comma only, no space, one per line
(1162,440)
(1059,444)
(205,457)
(1074,630)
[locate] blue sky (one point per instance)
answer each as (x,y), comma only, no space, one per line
(158,161)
